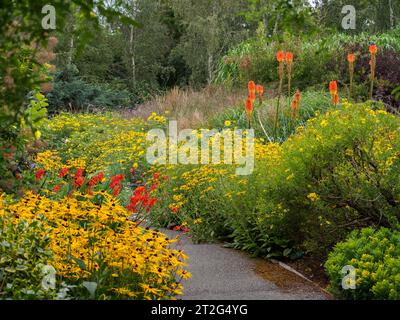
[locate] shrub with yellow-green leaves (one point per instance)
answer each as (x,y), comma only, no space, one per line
(339,172)
(375,257)
(93,245)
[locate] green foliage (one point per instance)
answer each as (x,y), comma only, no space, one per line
(274,18)
(24,253)
(375,255)
(316,60)
(338,172)
(372,15)
(73,94)
(312,103)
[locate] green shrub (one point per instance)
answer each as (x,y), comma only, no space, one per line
(375,255)
(24,254)
(338,172)
(74,94)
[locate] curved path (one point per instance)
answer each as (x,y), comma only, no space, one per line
(219,273)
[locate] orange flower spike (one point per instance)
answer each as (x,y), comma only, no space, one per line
(335,99)
(373,49)
(252,96)
(297,95)
(289,57)
(333,88)
(296,102)
(251,86)
(260,90)
(249,106)
(280,56)
(351,57)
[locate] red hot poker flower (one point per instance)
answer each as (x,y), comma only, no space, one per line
(249,106)
(260,90)
(335,99)
(280,56)
(289,57)
(373,49)
(252,96)
(333,88)
(351,57)
(251,86)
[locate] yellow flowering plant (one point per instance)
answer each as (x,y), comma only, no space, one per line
(98,244)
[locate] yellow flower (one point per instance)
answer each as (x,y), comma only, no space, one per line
(324,123)
(313,197)
(38,134)
(227,123)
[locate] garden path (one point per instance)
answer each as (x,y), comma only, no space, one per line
(220,273)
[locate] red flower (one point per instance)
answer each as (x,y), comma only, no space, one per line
(335,99)
(289,57)
(373,49)
(153,202)
(185,229)
(249,105)
(63,172)
(96,179)
(174,209)
(156,176)
(176,228)
(39,173)
(79,181)
(57,188)
(260,90)
(115,180)
(296,102)
(252,96)
(165,178)
(333,88)
(351,57)
(139,190)
(251,86)
(116,190)
(280,56)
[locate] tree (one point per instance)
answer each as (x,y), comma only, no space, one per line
(371,15)
(26,47)
(210,28)
(273,17)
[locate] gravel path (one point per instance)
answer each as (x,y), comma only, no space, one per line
(219,273)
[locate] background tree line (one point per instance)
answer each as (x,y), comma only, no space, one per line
(180,43)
